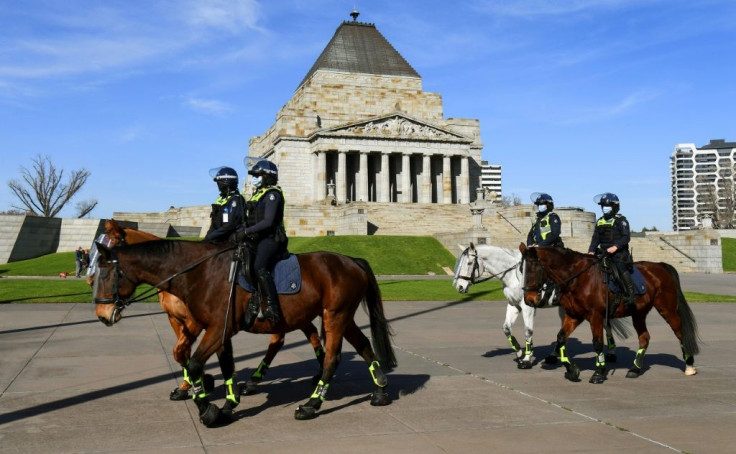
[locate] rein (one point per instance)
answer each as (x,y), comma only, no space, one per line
(566,281)
(476,267)
(120,303)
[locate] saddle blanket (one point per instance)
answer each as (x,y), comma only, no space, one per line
(637,278)
(286,275)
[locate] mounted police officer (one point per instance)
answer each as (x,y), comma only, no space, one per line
(228,211)
(545,231)
(547,226)
(611,236)
(265,227)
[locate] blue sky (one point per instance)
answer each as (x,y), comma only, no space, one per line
(574,97)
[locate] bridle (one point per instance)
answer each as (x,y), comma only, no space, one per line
(541,271)
(120,303)
(475,269)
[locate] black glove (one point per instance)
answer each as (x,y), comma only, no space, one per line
(239,235)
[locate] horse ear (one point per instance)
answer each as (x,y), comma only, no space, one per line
(472,246)
(522,247)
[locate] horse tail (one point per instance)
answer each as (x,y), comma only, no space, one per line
(380,331)
(687,319)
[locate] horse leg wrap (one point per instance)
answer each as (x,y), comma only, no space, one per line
(689,359)
(528,349)
(379,378)
(639,358)
(319,352)
(260,372)
(233,394)
(515,347)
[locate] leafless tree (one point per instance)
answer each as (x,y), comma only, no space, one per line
(85,207)
(41,189)
(512,200)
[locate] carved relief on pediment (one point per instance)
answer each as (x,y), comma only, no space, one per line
(397,126)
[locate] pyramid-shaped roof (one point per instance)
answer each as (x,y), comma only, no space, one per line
(359,47)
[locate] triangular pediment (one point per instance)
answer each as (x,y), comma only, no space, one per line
(393,126)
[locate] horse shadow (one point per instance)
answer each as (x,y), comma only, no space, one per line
(287,385)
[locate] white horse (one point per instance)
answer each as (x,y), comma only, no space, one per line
(483,262)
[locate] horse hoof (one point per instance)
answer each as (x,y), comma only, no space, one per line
(209,382)
(551,359)
(633,373)
(611,357)
(302,413)
(210,416)
(179,394)
(573,374)
(380,399)
(250,388)
(690,370)
(597,378)
(524,365)
(227,410)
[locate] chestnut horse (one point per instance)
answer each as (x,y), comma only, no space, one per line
(333,286)
(585,296)
(187,331)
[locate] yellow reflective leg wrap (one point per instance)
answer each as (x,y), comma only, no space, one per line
(198,390)
(320,392)
(230,392)
(186,375)
(529,346)
(512,342)
(261,370)
(563,355)
(639,358)
(600,360)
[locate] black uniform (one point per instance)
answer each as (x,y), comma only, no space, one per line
(613,230)
(228,213)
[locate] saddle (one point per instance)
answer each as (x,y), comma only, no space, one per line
(612,276)
(286,274)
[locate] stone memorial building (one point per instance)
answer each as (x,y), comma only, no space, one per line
(359,128)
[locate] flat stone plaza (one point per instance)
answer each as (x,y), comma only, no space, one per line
(70,384)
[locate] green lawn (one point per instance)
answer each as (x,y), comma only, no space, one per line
(388,255)
(728,245)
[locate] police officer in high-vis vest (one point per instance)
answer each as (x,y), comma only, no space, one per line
(265,226)
(545,231)
(546,227)
(612,236)
(228,211)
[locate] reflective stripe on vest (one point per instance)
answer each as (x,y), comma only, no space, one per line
(543,230)
(606,234)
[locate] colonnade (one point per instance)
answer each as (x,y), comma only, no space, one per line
(391,177)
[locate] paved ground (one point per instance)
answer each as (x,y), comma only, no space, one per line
(70,384)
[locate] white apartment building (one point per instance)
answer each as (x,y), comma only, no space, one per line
(490,178)
(702,183)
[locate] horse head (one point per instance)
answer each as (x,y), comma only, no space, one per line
(534,275)
(112,289)
(468,268)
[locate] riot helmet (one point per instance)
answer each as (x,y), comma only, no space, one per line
(226,179)
(265,172)
(541,198)
(607,199)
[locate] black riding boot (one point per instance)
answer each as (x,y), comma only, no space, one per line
(629,288)
(268,290)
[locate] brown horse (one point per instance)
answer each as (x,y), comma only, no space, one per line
(585,296)
(187,331)
(333,286)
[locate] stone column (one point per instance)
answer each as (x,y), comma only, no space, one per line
(384,186)
(362,192)
(319,164)
(446,180)
(405,178)
(463,186)
(426,194)
(340,177)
